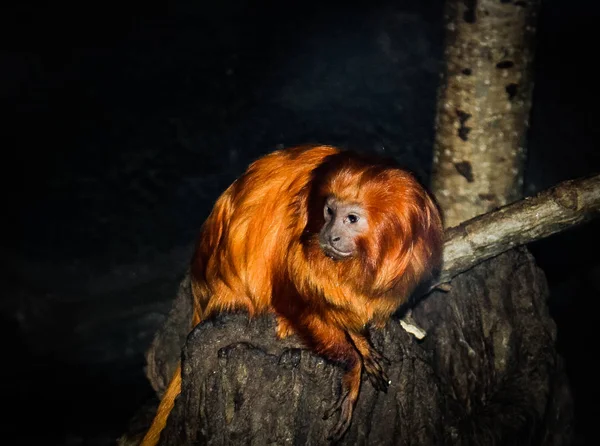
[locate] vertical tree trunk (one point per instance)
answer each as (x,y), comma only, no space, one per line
(483,105)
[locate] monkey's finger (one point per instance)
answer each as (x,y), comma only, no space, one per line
(374,382)
(379,383)
(343,423)
(373,366)
(378,379)
(378,357)
(385,360)
(376,372)
(336,406)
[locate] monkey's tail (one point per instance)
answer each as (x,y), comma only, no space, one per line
(164,409)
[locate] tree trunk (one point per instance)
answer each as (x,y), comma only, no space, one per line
(486,373)
(483,106)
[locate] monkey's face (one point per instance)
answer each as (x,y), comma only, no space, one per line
(344,223)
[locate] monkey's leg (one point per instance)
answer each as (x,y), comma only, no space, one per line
(333,343)
(372,361)
(347,400)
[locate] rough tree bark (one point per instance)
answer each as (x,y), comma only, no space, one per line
(486,373)
(563,206)
(569,203)
(483,106)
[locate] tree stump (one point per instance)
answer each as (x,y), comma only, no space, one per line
(486,373)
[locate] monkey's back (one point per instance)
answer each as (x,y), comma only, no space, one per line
(251,230)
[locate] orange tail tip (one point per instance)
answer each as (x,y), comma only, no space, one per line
(164,409)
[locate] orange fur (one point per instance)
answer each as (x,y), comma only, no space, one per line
(164,409)
(258,251)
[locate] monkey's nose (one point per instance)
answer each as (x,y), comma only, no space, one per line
(335,239)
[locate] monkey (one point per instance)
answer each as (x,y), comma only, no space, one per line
(331,242)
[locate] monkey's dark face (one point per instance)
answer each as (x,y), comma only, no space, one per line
(344,223)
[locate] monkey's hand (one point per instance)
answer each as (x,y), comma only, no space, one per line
(346,406)
(373,364)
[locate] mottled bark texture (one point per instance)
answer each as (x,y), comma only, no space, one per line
(483,106)
(163,354)
(486,373)
(563,206)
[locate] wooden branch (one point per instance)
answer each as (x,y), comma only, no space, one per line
(488,339)
(474,241)
(561,207)
(487,373)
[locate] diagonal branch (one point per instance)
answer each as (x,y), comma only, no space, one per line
(561,207)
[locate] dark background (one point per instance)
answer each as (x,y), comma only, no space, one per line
(124,121)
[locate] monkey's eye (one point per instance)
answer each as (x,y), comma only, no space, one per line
(352,218)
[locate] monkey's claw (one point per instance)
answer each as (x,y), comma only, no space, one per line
(378,357)
(346,406)
(375,372)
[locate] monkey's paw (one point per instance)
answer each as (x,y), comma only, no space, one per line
(375,372)
(284,328)
(346,406)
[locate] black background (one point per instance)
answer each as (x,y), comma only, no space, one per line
(124,121)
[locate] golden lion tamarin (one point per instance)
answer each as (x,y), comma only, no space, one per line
(327,240)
